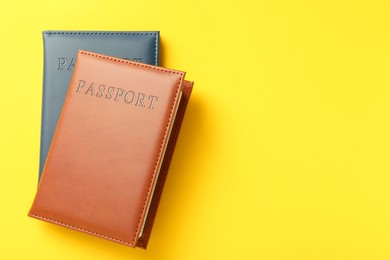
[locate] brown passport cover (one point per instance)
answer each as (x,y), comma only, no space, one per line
(112,147)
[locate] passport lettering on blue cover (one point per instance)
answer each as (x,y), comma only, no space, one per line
(60,51)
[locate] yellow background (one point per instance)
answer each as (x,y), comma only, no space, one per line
(284,151)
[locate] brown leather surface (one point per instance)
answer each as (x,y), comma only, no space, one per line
(107,148)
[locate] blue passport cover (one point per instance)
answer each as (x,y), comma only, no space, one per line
(60,50)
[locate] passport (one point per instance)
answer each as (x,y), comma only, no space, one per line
(60,49)
(112,147)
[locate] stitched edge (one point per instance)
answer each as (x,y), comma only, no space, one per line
(158,157)
(155,50)
(113,33)
(132,63)
(78,228)
(102,33)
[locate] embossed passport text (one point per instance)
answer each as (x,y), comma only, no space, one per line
(112,147)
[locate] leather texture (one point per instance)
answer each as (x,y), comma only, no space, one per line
(111,151)
(60,50)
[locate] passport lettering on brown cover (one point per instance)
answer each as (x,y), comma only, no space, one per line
(112,147)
